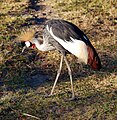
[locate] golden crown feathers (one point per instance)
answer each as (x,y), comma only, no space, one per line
(26,35)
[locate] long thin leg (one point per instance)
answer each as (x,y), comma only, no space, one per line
(58,74)
(70,74)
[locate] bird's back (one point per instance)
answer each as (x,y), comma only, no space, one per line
(72,39)
(64,30)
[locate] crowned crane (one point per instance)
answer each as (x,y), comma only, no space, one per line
(66,38)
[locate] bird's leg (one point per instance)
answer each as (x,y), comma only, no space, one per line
(70,74)
(58,74)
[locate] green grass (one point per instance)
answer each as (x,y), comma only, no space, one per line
(96,91)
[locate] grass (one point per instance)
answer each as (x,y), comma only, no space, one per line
(96,91)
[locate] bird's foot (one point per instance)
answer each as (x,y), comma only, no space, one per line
(73,98)
(48,95)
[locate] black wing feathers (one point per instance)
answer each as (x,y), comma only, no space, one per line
(64,30)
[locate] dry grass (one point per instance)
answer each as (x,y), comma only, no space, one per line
(96,91)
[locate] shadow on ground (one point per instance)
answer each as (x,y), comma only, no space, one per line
(31,75)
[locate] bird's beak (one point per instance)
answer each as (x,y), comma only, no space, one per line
(24,49)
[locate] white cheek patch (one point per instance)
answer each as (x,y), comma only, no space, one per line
(27,43)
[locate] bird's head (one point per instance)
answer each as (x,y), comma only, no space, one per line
(28,38)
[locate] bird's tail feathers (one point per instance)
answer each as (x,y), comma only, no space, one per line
(93,58)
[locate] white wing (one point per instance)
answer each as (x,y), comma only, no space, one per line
(76,47)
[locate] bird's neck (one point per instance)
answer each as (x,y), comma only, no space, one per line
(37,44)
(43,46)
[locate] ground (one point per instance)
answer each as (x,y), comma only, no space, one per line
(26,78)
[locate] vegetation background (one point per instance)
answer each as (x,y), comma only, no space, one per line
(96,91)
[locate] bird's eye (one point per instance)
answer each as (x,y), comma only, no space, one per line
(23,44)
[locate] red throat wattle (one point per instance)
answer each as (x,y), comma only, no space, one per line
(33,46)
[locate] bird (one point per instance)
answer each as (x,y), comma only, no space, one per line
(67,38)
